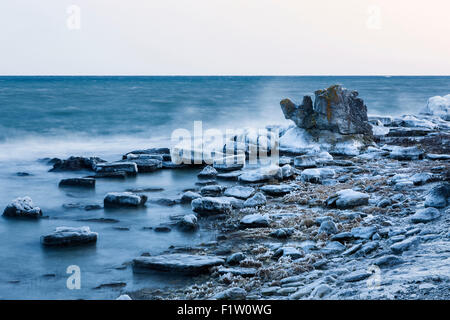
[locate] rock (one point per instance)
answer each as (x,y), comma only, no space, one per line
(67,236)
(76,164)
(124,297)
(291,252)
(238,271)
(234,175)
(22,207)
(239,192)
(211,206)
(365,233)
(357,276)
(383,203)
(23,174)
(130,168)
(438,196)
(328,227)
(234,293)
(321,291)
(165,152)
(348,198)
(317,175)
(257,200)
(254,221)
(78,182)
(188,196)
(425,215)
(235,258)
(407,244)
(146,165)
(261,174)
(188,223)
(110,175)
(282,233)
(433,156)
(352,249)
(438,106)
(212,191)
(208,172)
(406,153)
(343,236)
(124,199)
(422,178)
(162,228)
(164,201)
(388,261)
(277,189)
(335,109)
(367,248)
(287,171)
(228,166)
(305,161)
(333,247)
(178,263)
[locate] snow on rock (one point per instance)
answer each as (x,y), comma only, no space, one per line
(438,106)
(22,207)
(348,198)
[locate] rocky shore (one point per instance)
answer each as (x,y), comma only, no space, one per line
(356,207)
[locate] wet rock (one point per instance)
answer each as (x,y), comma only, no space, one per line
(383,203)
(352,249)
(438,196)
(438,106)
(254,221)
(368,248)
(388,261)
(240,192)
(188,196)
(130,168)
(291,252)
(208,182)
(208,172)
(357,276)
(211,206)
(305,161)
(238,271)
(333,247)
(165,152)
(277,189)
(76,164)
(23,174)
(406,153)
(111,285)
(188,223)
(261,174)
(257,200)
(317,175)
(162,228)
(78,182)
(22,207)
(282,233)
(287,171)
(347,198)
(234,293)
(165,201)
(178,263)
(227,166)
(321,291)
(145,189)
(67,236)
(404,245)
(212,191)
(365,233)
(425,215)
(235,258)
(433,156)
(343,236)
(124,199)
(110,175)
(146,165)
(422,178)
(328,227)
(234,175)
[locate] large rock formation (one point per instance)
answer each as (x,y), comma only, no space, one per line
(335,109)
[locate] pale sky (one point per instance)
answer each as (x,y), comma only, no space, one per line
(225,37)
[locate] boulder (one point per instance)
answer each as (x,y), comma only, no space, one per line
(333,247)
(406,153)
(261,174)
(188,222)
(178,263)
(234,293)
(287,171)
(22,207)
(363,232)
(68,236)
(78,182)
(438,106)
(277,189)
(211,205)
(404,245)
(254,221)
(130,168)
(165,152)
(76,164)
(305,161)
(240,192)
(438,196)
(212,191)
(425,215)
(235,258)
(328,227)
(188,196)
(208,172)
(317,175)
(258,199)
(348,198)
(291,252)
(124,199)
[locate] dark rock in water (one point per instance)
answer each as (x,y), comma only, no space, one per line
(67,236)
(425,215)
(165,152)
(111,285)
(258,199)
(130,168)
(102,220)
(124,199)
(164,202)
(254,221)
(171,165)
(76,164)
(78,182)
(228,166)
(23,174)
(145,189)
(212,191)
(335,109)
(211,205)
(179,263)
(188,223)
(147,165)
(291,252)
(162,228)
(188,196)
(208,172)
(22,207)
(109,175)
(438,196)
(206,182)
(277,189)
(234,175)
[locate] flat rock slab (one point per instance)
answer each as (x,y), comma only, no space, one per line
(67,236)
(254,221)
(239,192)
(238,271)
(78,182)
(124,199)
(179,263)
(129,168)
(425,215)
(211,205)
(277,189)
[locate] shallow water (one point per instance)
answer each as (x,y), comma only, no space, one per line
(108,116)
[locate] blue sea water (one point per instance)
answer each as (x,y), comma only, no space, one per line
(108,116)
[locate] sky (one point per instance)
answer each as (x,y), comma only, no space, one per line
(225,37)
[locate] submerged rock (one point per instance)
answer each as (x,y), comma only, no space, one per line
(348,198)
(78,182)
(211,205)
(68,236)
(124,199)
(22,207)
(179,263)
